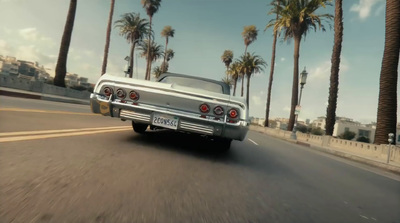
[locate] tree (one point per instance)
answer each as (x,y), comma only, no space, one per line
(157,71)
(387,105)
(348,135)
(133,28)
(274,10)
(167,32)
(334,79)
(169,55)
(156,51)
(107,46)
(151,7)
(61,67)
(249,35)
(295,19)
(251,64)
(227,58)
(234,73)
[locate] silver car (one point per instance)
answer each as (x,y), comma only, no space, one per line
(178,102)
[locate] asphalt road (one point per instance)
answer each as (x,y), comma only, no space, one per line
(60,163)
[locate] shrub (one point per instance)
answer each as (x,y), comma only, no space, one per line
(317,131)
(348,135)
(363,139)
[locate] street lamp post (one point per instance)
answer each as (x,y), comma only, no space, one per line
(128,66)
(303,79)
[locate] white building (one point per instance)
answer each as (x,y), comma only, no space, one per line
(9,66)
(319,122)
(367,131)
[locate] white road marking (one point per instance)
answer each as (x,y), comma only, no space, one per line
(22,138)
(56,131)
(364,216)
(373,219)
(253,142)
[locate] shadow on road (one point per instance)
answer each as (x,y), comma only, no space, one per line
(241,153)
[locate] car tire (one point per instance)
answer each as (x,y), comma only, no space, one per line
(224,144)
(139,127)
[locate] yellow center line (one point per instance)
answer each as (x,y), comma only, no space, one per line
(46,111)
(34,137)
(57,131)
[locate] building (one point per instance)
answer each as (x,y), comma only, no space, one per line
(9,66)
(71,80)
(360,130)
(319,122)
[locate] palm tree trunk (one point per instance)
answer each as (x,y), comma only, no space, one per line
(387,106)
(245,49)
(271,78)
(333,89)
(107,46)
(234,87)
(165,54)
(131,59)
(147,77)
(295,85)
(248,92)
(61,67)
(242,86)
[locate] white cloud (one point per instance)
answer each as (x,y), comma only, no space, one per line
(30,34)
(32,53)
(283,59)
(256,100)
(364,8)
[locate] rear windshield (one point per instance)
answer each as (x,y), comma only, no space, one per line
(194,83)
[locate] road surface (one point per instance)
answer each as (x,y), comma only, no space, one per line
(60,163)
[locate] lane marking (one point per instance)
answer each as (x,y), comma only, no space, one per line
(55,131)
(23,138)
(253,142)
(46,111)
(364,216)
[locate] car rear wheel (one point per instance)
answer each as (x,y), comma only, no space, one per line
(139,127)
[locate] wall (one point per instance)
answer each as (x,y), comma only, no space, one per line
(376,152)
(40,87)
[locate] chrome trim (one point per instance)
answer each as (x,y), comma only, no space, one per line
(204,129)
(133,115)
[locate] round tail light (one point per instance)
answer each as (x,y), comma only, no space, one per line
(218,110)
(121,93)
(134,95)
(233,113)
(107,91)
(204,108)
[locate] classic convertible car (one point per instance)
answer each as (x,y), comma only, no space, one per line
(178,102)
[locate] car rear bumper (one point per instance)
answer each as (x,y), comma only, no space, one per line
(188,122)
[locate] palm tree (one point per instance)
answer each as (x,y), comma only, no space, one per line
(169,55)
(275,4)
(387,106)
(133,28)
(227,58)
(151,7)
(251,64)
(167,32)
(157,71)
(296,18)
(107,46)
(249,35)
(234,73)
(333,89)
(156,51)
(61,67)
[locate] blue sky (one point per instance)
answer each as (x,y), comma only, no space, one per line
(31,30)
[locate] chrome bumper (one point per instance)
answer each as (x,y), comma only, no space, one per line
(188,122)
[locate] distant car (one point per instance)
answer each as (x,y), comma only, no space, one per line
(176,101)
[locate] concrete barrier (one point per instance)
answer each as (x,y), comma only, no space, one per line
(372,151)
(40,87)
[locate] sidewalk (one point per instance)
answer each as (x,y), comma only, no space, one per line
(392,166)
(40,96)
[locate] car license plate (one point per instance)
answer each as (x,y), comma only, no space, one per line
(165,121)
